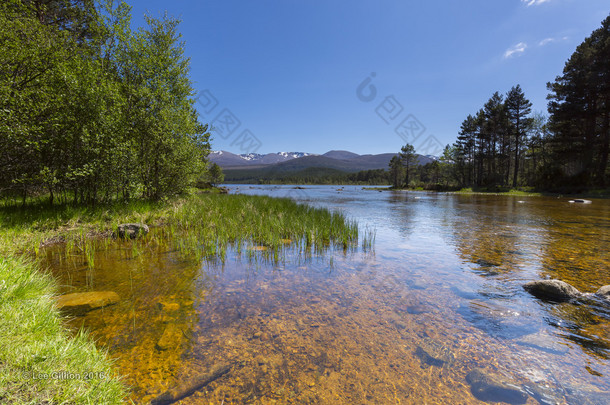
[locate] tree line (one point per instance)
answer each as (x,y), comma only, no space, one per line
(91,110)
(506,145)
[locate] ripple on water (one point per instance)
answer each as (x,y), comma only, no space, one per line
(359,331)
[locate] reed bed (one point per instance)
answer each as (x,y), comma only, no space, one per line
(199,226)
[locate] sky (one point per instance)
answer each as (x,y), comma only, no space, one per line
(366,76)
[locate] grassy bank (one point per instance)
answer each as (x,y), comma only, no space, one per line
(33,342)
(39,362)
(210,221)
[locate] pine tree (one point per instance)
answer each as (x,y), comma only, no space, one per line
(518,109)
(396,171)
(407,158)
(580,112)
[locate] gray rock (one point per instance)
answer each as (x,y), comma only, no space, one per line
(556,290)
(494,388)
(604,292)
(81,303)
(131,231)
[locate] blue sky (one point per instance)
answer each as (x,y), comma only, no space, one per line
(283,75)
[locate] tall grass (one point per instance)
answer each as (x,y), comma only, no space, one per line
(201,226)
(32,340)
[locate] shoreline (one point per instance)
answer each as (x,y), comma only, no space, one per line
(25,232)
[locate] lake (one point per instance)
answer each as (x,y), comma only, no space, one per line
(436,300)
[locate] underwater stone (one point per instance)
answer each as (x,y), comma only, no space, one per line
(433,353)
(170,338)
(81,303)
(552,289)
(494,388)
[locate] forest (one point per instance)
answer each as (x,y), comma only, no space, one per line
(91,110)
(506,145)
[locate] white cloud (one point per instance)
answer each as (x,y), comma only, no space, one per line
(534,2)
(547,41)
(515,50)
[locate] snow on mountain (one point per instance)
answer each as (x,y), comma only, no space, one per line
(294,155)
(225,158)
(252,156)
(228,159)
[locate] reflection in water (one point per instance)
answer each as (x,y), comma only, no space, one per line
(439,299)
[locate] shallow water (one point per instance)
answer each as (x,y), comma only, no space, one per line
(439,296)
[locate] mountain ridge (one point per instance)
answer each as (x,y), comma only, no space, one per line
(336,159)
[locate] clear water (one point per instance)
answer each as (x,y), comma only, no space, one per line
(440,295)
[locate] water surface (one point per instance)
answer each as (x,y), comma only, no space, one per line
(440,295)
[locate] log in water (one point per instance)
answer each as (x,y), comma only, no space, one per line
(191,386)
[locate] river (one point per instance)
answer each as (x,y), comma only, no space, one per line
(438,296)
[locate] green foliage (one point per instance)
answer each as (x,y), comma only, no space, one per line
(216,174)
(580,114)
(504,144)
(396,171)
(92,111)
(310,175)
(408,160)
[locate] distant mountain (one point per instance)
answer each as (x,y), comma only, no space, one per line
(290,162)
(253,167)
(228,159)
(341,155)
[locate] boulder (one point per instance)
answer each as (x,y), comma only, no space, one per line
(494,388)
(556,290)
(131,231)
(81,303)
(604,292)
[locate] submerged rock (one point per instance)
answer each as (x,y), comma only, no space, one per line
(556,290)
(543,341)
(168,306)
(580,201)
(604,292)
(171,338)
(81,303)
(131,231)
(494,388)
(497,320)
(433,353)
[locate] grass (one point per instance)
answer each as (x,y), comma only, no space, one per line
(33,341)
(39,362)
(511,192)
(205,223)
